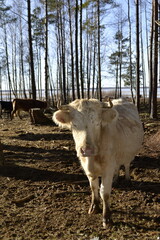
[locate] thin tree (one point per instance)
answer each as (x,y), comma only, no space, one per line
(31,61)
(147,42)
(142,57)
(71,46)
(46,51)
(7,63)
(137,57)
(21,47)
(63,53)
(130,52)
(99,51)
(76,49)
(94,66)
(153,113)
(87,56)
(59,60)
(5,20)
(81,52)
(150,61)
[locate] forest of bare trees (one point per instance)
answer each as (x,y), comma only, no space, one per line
(73,49)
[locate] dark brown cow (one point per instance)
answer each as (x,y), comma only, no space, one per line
(26,105)
(5,107)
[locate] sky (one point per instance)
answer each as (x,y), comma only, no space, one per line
(111,27)
(124,12)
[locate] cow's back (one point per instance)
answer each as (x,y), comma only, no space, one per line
(27,104)
(23,104)
(40,104)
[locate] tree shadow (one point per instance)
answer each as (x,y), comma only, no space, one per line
(15,154)
(47,137)
(152,187)
(33,174)
(146,162)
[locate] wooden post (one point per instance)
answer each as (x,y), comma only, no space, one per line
(37,116)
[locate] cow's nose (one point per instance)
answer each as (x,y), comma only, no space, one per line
(87,151)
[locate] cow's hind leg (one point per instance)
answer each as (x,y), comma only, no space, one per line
(94,184)
(116,174)
(18,114)
(127,172)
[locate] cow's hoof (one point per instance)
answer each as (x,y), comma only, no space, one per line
(107,223)
(94,209)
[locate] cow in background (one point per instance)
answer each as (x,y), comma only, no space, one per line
(26,105)
(106,136)
(6,107)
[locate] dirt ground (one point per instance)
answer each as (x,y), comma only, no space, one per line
(44,193)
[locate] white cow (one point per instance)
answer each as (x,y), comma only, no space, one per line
(106,137)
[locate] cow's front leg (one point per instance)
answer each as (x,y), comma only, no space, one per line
(105,191)
(94,184)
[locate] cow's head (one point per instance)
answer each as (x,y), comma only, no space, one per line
(86,119)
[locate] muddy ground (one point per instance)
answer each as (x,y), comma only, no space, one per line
(44,193)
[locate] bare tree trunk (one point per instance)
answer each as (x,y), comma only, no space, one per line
(21,59)
(31,51)
(61,54)
(99,51)
(147,39)
(142,58)
(39,82)
(81,53)
(76,49)
(120,64)
(130,52)
(153,113)
(14,64)
(137,57)
(71,46)
(51,84)
(62,24)
(1,83)
(59,64)
(7,64)
(159,40)
(94,68)
(116,88)
(150,61)
(46,52)
(87,60)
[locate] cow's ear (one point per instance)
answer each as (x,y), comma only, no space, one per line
(109,115)
(62,118)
